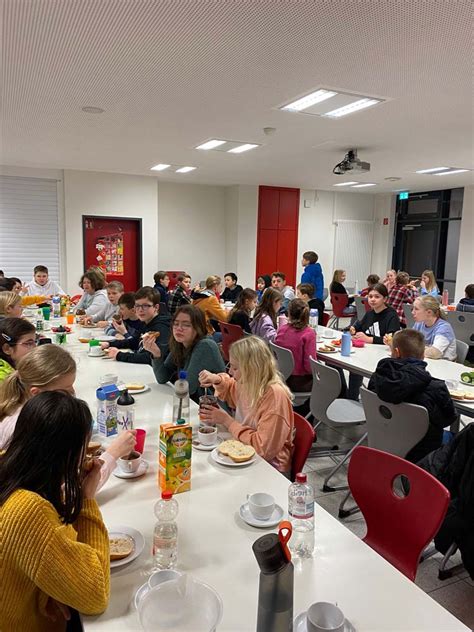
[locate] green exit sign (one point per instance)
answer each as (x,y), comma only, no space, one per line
(403,195)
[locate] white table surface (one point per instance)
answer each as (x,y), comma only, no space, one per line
(215,545)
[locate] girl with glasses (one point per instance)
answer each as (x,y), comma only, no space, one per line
(17,338)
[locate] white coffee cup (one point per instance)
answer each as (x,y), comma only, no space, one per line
(324,617)
(329,333)
(129,465)
(95,351)
(261,505)
(162,576)
(207,435)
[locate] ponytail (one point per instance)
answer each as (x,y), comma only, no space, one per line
(12,394)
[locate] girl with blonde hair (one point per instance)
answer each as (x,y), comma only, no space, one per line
(262,402)
(49,368)
(439,335)
(428,284)
(10,305)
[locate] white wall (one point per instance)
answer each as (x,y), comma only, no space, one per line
(118,195)
(385,204)
(465,270)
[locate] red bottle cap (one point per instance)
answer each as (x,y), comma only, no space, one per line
(166,494)
(301,478)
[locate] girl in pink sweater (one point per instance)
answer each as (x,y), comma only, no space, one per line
(301,341)
(262,402)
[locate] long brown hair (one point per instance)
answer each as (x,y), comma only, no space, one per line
(266,306)
(246,295)
(432,279)
(11,330)
(198,321)
(298,313)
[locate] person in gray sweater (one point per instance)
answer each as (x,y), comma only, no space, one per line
(190,349)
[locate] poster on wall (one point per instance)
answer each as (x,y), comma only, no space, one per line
(110,253)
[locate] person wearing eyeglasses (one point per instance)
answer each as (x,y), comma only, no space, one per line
(147,308)
(17,338)
(190,349)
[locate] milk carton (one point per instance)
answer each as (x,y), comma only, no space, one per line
(175,457)
(107,397)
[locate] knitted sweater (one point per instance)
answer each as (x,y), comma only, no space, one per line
(41,557)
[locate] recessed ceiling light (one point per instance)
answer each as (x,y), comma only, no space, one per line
(449,173)
(160,167)
(240,148)
(392,179)
(211,144)
(343,184)
(309,100)
(90,109)
(433,170)
(361,104)
(366,184)
(185,169)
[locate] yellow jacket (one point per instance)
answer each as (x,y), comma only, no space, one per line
(33,300)
(211,308)
(40,556)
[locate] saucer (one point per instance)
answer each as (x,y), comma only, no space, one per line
(93,355)
(142,468)
(275,518)
(205,448)
(299,624)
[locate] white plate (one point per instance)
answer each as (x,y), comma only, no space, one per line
(205,448)
(96,356)
(275,518)
(329,337)
(226,460)
(142,469)
(105,338)
(326,352)
(299,624)
(138,391)
(136,536)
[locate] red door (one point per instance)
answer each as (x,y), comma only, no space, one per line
(277,236)
(114,245)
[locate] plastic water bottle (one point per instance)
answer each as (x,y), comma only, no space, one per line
(313,318)
(56,304)
(165,535)
(181,398)
(346,344)
(125,411)
(356,287)
(39,320)
(301,515)
(445,298)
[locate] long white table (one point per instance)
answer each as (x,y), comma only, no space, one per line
(215,545)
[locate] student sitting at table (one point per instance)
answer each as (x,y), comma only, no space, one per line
(287,292)
(466,304)
(305,291)
(428,284)
(41,285)
(404,378)
(147,306)
(337,287)
(10,305)
(313,273)
(126,322)
(300,339)
(262,402)
(55,545)
(190,349)
(240,313)
(162,282)
(390,279)
(232,290)
(402,292)
(94,300)
(264,322)
(439,336)
(207,301)
(180,295)
(114,291)
(372,280)
(49,368)
(17,338)
(263,282)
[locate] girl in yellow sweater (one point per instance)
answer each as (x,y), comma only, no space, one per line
(54,547)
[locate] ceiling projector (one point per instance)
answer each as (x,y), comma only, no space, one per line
(351,163)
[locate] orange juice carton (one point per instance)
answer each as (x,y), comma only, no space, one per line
(175,457)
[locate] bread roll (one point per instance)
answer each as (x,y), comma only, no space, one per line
(121,547)
(236,450)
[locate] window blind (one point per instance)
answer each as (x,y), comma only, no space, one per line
(353,249)
(29,233)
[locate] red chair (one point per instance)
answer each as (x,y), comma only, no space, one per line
(398,527)
(173,275)
(325,319)
(76,298)
(302,443)
(339,303)
(366,305)
(230,333)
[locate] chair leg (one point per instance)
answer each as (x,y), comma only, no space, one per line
(328,488)
(345,513)
(445,573)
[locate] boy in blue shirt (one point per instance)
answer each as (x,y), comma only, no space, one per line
(313,273)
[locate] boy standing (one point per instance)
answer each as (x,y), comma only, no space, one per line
(41,284)
(279,283)
(180,294)
(403,378)
(162,281)
(232,290)
(313,273)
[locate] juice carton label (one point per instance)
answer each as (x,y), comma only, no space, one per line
(175,458)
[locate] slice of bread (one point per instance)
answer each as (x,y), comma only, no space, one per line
(121,547)
(457,395)
(469,396)
(236,450)
(134,387)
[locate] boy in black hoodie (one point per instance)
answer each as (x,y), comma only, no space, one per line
(404,378)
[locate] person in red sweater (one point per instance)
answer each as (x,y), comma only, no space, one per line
(301,341)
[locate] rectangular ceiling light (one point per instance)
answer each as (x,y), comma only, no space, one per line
(160,167)
(241,148)
(343,184)
(211,144)
(367,184)
(449,173)
(361,104)
(309,100)
(433,170)
(185,169)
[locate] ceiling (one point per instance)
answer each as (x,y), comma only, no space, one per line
(171,74)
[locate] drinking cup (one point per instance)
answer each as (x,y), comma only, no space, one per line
(140,440)
(95,351)
(46,312)
(207,400)
(324,617)
(207,435)
(70,319)
(130,463)
(162,576)
(261,505)
(329,333)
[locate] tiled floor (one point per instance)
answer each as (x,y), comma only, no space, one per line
(456,594)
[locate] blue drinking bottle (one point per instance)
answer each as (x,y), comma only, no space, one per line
(346,344)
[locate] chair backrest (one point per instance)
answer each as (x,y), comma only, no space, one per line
(173,275)
(398,527)
(325,318)
(230,333)
(302,442)
(463,325)
(325,293)
(360,307)
(462,349)
(393,428)
(76,298)
(284,358)
(326,388)
(339,303)
(407,310)
(164,311)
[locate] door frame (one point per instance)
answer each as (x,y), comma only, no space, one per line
(115,218)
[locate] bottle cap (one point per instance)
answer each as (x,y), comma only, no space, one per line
(166,494)
(183,375)
(301,478)
(180,422)
(125,399)
(269,553)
